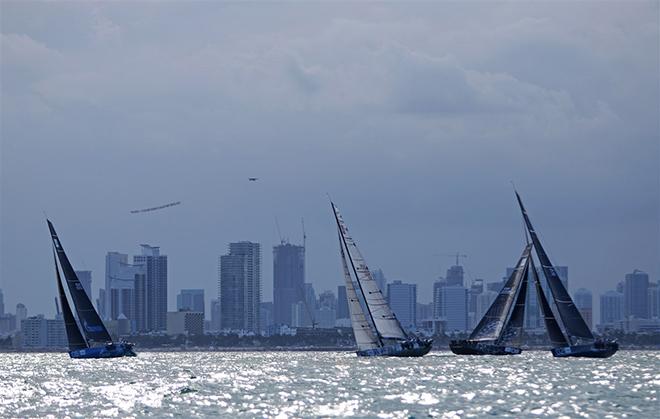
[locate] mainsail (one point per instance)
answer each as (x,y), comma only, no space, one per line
(364,334)
(570,316)
(386,323)
(554,331)
(492,323)
(73,335)
(93,327)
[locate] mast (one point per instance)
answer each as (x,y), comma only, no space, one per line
(384,320)
(493,322)
(73,335)
(554,331)
(570,316)
(365,334)
(91,323)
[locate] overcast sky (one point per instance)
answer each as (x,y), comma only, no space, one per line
(414,117)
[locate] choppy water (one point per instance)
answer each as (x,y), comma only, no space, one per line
(329,384)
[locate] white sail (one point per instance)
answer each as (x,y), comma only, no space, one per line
(365,337)
(386,323)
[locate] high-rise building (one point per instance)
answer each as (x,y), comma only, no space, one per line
(342,303)
(454,276)
(611,308)
(2,303)
(185,322)
(191,300)
(437,304)
(654,300)
(584,303)
(266,316)
(380,279)
(39,332)
(288,280)
(402,299)
(150,294)
(85,278)
(451,304)
(215,315)
(636,295)
(484,301)
(326,311)
(118,298)
(21,314)
(239,287)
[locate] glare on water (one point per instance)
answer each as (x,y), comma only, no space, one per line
(325,384)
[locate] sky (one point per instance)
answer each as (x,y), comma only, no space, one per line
(414,117)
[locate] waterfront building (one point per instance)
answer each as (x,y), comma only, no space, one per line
(85,278)
(584,303)
(402,299)
(454,276)
(381,280)
(636,295)
(39,332)
(21,314)
(151,290)
(451,302)
(654,300)
(288,280)
(191,300)
(266,316)
(215,315)
(2,303)
(239,287)
(184,322)
(119,296)
(611,308)
(342,303)
(484,301)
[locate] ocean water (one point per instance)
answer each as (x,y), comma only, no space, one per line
(311,384)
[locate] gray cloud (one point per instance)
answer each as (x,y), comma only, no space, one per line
(413,118)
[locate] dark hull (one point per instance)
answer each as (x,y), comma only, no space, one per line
(113,350)
(594,350)
(466,347)
(404,349)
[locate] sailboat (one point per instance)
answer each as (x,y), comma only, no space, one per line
(569,333)
(377,330)
(502,324)
(87,337)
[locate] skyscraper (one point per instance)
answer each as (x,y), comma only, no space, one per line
(584,303)
(190,300)
(654,300)
(402,299)
(611,308)
(451,302)
(2,303)
(21,314)
(118,296)
(215,315)
(85,278)
(151,290)
(636,295)
(239,287)
(454,276)
(288,280)
(380,279)
(342,303)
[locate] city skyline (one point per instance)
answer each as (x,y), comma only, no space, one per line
(414,120)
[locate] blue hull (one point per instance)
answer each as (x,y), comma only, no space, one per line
(403,349)
(111,350)
(598,349)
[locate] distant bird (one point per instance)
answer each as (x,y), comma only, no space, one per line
(171,204)
(253,179)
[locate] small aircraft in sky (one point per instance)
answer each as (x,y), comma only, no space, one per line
(253,179)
